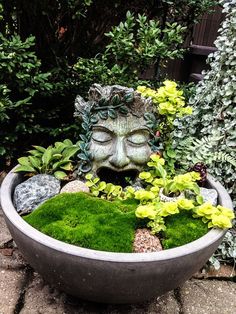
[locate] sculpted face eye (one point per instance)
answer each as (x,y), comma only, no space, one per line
(138,138)
(101,135)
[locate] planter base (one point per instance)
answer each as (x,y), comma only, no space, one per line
(103,276)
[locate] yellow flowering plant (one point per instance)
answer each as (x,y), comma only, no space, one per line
(168,99)
(170,105)
(152,208)
(157,177)
(218,216)
(157,211)
(146,211)
(144,196)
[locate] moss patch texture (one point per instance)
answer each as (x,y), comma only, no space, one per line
(94,223)
(80,219)
(181,229)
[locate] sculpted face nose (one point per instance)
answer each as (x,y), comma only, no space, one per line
(119,158)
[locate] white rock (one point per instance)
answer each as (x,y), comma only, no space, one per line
(209,195)
(75,186)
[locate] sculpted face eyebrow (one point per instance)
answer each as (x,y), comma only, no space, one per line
(102,128)
(140,130)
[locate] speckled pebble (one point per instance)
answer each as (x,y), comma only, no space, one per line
(75,186)
(145,242)
(34,191)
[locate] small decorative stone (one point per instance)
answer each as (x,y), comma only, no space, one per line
(165,198)
(145,242)
(34,191)
(209,195)
(75,186)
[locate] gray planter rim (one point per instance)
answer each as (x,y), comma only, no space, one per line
(10,212)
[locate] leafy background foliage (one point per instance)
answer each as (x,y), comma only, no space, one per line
(52,50)
(212,127)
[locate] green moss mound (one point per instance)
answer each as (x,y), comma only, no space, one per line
(86,221)
(181,229)
(90,222)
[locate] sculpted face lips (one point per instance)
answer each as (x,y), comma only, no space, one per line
(120,147)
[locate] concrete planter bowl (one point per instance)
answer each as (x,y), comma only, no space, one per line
(103,276)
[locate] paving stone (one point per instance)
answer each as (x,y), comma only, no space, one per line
(4,233)
(40,298)
(12,262)
(162,305)
(10,287)
(208,296)
(166,304)
(225,271)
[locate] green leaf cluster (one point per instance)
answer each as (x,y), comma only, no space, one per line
(141,41)
(135,45)
(157,177)
(171,106)
(56,160)
(102,189)
(23,83)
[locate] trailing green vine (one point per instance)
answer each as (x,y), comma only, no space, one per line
(212,126)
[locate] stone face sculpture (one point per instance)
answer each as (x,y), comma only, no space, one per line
(118,138)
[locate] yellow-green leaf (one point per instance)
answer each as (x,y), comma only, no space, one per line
(47,155)
(35,162)
(67,166)
(39,148)
(60,175)
(25,169)
(24,161)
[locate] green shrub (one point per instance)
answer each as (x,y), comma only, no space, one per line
(52,50)
(181,229)
(66,29)
(21,78)
(83,220)
(24,89)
